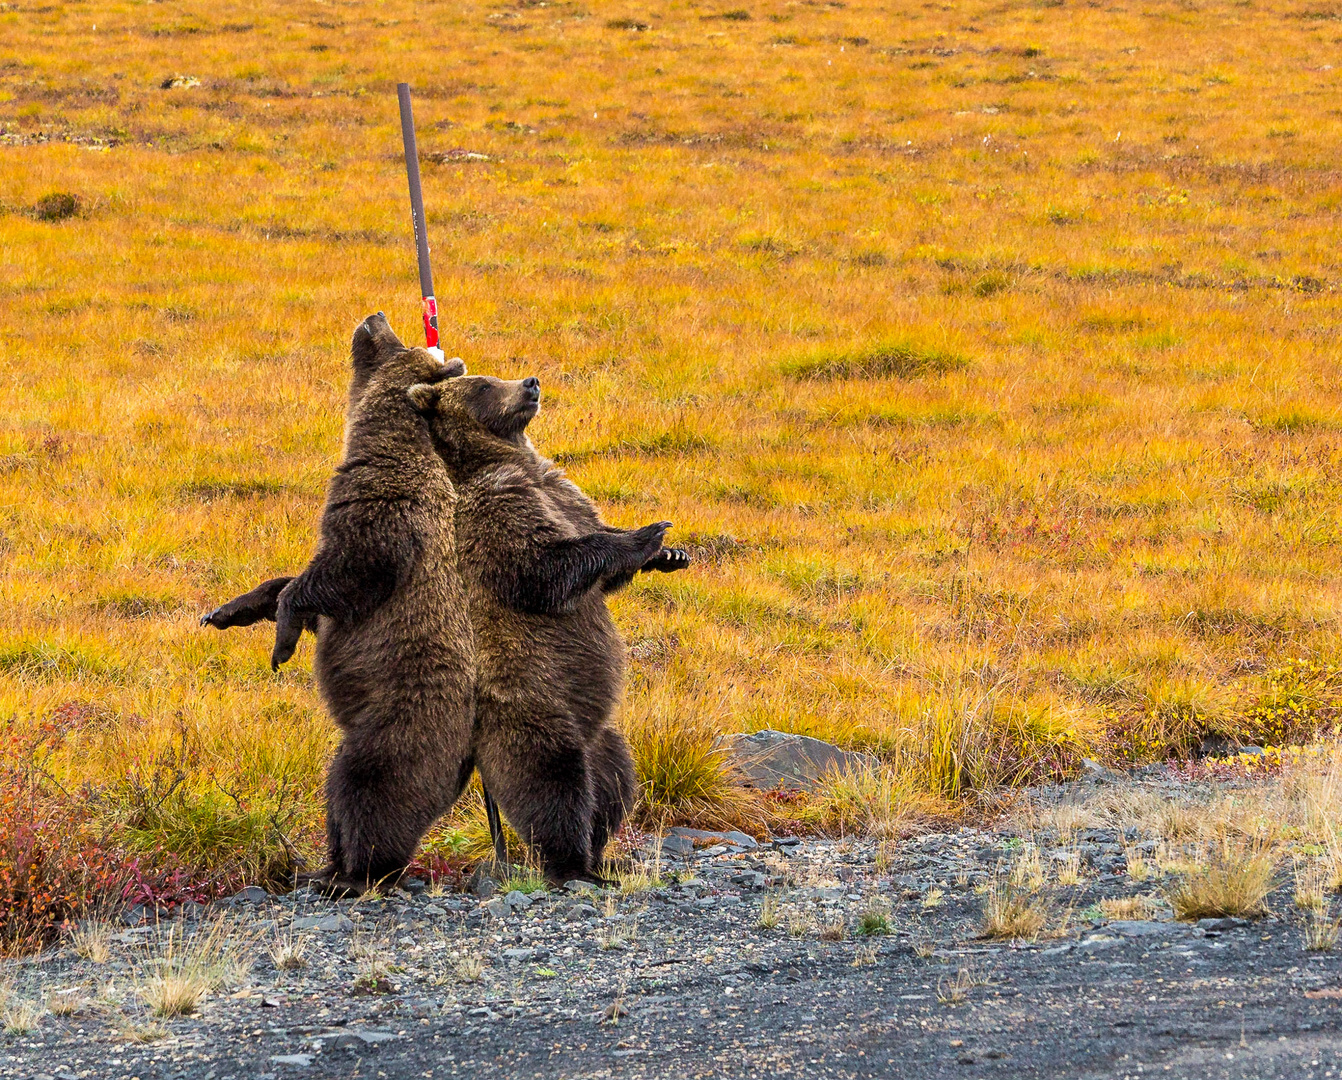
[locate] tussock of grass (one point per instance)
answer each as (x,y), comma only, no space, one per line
(1321,931)
(883,360)
(1231,878)
(186,966)
(92,940)
(1012,912)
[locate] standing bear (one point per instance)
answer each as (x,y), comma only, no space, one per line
(536,561)
(395,651)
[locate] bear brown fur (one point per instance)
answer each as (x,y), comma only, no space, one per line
(601,787)
(395,653)
(536,561)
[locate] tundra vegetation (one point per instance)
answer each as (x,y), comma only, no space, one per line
(984,356)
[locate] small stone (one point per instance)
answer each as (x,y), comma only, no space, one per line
(578,912)
(413,885)
(517,900)
(434,910)
(498,907)
(519,955)
(252,894)
(301,1060)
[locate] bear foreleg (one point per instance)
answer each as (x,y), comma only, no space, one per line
(250,607)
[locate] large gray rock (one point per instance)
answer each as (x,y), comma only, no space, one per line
(771,759)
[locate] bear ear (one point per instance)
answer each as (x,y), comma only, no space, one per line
(454,367)
(423,396)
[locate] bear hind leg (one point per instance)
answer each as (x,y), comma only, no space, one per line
(540,780)
(614,787)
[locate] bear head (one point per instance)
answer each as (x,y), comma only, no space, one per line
(384,369)
(476,418)
(375,343)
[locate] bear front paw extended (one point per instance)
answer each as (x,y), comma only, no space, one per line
(649,538)
(668,560)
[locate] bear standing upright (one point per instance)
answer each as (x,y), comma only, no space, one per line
(536,561)
(395,650)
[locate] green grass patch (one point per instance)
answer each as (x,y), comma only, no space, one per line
(883,360)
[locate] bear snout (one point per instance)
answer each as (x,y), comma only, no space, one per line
(531,387)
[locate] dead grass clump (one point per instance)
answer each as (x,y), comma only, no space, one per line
(1232,878)
(92,940)
(1012,912)
(868,802)
(185,966)
(1129,907)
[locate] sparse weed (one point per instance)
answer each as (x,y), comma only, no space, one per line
(19,1015)
(92,940)
(799,923)
(65,1002)
(834,928)
(770,913)
(1067,871)
(289,952)
(873,921)
(1321,930)
(866,955)
(933,897)
(1129,907)
(470,967)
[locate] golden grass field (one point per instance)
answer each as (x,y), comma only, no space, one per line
(985,354)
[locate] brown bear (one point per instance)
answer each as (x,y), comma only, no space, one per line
(592,795)
(395,651)
(536,561)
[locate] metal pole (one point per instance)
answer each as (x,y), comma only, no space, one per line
(417,216)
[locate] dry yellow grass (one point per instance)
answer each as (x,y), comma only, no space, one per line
(1232,878)
(1011,911)
(983,354)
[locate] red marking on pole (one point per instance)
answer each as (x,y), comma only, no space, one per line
(430,321)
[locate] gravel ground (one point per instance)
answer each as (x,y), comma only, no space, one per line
(751,962)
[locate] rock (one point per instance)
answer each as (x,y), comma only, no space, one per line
(179,82)
(1094,771)
(301,1060)
(1099,944)
(355,1040)
(1142,928)
(413,885)
(677,845)
(481,884)
(517,900)
(1222,924)
(252,894)
(189,909)
(1252,751)
(331,924)
(704,838)
(434,910)
(134,915)
(771,759)
(519,955)
(498,907)
(578,912)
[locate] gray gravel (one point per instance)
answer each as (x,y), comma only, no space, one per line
(684,980)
